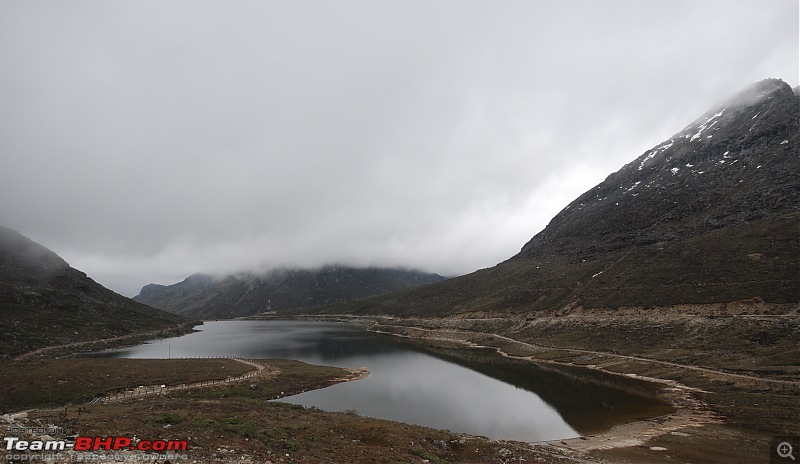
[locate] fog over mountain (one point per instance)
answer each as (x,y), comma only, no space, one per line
(204,297)
(708,216)
(44,303)
(146,141)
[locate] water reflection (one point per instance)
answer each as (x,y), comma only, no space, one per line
(420,389)
(590,401)
(467,391)
(315,342)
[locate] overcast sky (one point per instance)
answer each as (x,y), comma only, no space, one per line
(144,141)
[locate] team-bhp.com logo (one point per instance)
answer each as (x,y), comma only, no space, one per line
(94,444)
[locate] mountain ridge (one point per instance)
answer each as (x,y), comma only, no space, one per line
(693,151)
(710,215)
(247,294)
(45,302)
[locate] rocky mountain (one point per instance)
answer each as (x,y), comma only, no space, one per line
(206,297)
(710,215)
(45,302)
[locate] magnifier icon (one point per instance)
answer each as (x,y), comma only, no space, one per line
(785,450)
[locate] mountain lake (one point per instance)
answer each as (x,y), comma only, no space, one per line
(473,391)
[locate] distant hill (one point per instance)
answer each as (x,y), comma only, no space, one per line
(205,297)
(45,302)
(711,215)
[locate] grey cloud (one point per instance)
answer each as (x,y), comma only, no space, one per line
(146,140)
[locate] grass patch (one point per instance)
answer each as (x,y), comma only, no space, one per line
(429,456)
(204,424)
(243,428)
(169,418)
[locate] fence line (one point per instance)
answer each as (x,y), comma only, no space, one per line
(152,389)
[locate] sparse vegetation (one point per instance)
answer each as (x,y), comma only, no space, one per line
(55,382)
(44,302)
(218,420)
(683,267)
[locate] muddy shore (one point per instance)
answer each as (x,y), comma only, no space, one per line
(730,371)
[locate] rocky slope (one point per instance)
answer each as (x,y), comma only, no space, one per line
(206,297)
(45,302)
(710,215)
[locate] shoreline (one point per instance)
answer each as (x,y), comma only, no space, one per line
(700,424)
(710,399)
(689,412)
(122,341)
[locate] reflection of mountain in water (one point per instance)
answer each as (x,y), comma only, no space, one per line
(330,344)
(458,387)
(588,400)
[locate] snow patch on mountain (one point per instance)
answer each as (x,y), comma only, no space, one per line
(703,126)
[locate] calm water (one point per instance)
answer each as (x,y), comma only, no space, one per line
(468,391)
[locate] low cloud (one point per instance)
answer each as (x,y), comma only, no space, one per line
(145,141)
